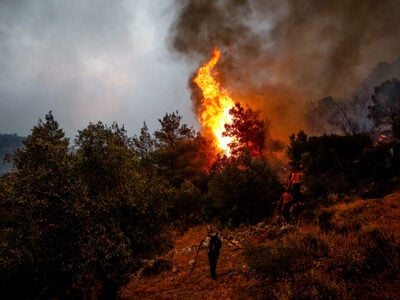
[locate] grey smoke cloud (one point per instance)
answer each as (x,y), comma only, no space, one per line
(281,55)
(107,60)
(88,61)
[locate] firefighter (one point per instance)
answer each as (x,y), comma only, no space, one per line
(284,204)
(213,243)
(295,184)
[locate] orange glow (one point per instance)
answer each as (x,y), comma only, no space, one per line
(216,103)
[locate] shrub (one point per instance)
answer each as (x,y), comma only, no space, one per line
(287,256)
(242,190)
(270,263)
(325,220)
(186,205)
(316,284)
(343,164)
(381,251)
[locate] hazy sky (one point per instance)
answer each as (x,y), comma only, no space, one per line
(130,61)
(89,61)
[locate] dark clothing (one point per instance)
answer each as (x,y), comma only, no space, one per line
(284,204)
(213,253)
(212,259)
(286,212)
(296,192)
(295,185)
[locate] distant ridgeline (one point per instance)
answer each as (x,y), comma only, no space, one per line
(8,144)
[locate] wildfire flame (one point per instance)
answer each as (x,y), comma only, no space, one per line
(216,103)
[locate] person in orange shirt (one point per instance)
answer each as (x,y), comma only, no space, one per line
(295,184)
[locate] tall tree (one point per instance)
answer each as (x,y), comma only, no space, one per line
(385,107)
(348,116)
(124,207)
(80,220)
(172,131)
(144,144)
(104,158)
(297,147)
(41,197)
(43,160)
(181,153)
(248,131)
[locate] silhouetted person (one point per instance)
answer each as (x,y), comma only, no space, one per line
(295,184)
(284,204)
(213,243)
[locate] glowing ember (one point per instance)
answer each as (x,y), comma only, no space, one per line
(216,103)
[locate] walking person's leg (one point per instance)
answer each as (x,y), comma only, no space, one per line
(286,213)
(213,258)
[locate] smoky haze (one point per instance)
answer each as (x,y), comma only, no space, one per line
(279,56)
(89,61)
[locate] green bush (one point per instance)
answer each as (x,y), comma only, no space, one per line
(242,190)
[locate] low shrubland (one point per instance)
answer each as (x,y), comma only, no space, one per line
(348,245)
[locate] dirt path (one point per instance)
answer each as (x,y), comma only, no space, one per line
(232,281)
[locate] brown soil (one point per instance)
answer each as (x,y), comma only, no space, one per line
(233,281)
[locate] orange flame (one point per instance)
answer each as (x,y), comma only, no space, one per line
(216,103)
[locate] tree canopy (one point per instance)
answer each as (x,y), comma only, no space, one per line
(248,131)
(385,107)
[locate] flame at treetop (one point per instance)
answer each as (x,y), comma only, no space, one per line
(216,103)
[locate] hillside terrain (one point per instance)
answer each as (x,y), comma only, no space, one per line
(177,283)
(170,276)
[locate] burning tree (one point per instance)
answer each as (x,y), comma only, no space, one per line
(215,104)
(247,131)
(242,185)
(232,128)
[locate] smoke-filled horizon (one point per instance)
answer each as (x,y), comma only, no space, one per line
(89,61)
(279,56)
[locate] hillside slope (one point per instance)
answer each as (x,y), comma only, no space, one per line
(235,282)
(178,283)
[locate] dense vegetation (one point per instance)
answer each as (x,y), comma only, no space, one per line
(72,221)
(345,243)
(75,224)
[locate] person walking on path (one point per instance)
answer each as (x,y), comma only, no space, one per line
(213,243)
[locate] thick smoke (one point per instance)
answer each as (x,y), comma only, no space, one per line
(278,56)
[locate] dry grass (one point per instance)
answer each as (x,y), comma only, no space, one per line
(351,251)
(357,257)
